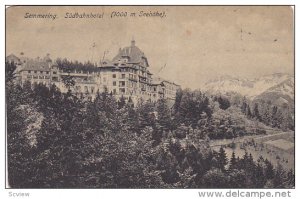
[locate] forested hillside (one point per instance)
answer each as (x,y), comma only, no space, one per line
(59,140)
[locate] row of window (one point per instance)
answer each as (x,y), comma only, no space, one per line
(122,76)
(85,90)
(121,83)
(132,77)
(40,72)
(121,91)
(37,77)
(170,92)
(128,70)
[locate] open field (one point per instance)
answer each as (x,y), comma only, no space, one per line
(277,148)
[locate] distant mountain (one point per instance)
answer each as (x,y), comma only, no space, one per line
(228,84)
(277,88)
(281,94)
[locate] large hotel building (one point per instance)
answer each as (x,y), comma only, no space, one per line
(127,75)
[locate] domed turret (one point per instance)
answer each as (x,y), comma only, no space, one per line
(132,54)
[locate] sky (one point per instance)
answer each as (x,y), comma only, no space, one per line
(194,43)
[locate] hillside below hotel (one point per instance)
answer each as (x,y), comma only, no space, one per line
(127,75)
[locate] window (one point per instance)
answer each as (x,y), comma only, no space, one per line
(41,72)
(29,76)
(47,72)
(35,71)
(122,83)
(29,71)
(54,72)
(78,88)
(114,75)
(86,90)
(114,91)
(92,89)
(55,79)
(154,88)
(123,76)
(114,83)
(122,90)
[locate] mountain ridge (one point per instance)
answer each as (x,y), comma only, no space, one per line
(279,83)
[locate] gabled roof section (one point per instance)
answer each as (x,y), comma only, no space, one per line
(13,58)
(37,65)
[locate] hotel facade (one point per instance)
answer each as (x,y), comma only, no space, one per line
(126,75)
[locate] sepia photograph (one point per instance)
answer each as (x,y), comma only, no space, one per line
(150,97)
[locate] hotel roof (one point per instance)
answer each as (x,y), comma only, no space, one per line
(36,65)
(133,53)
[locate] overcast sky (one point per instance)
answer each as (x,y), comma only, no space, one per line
(196,43)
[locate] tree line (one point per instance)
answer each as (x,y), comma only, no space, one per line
(271,115)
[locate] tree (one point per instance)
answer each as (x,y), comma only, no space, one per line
(10,68)
(233,161)
(164,117)
(19,150)
(121,102)
(190,105)
(244,106)
(146,114)
(215,178)
(237,179)
(269,170)
(224,103)
(178,97)
(291,178)
(133,118)
(256,113)
(222,159)
(68,81)
(20,146)
(248,112)
(267,115)
(258,177)
(279,177)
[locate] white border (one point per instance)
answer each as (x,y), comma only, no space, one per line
(127,193)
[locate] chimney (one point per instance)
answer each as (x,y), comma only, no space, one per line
(132,42)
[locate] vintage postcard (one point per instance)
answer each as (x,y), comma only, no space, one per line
(150,97)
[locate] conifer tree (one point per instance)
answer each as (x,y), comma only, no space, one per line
(256,113)
(233,161)
(291,177)
(222,159)
(258,177)
(279,177)
(269,170)
(121,102)
(248,112)
(164,115)
(244,106)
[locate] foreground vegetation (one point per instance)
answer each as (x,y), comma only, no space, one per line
(60,140)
